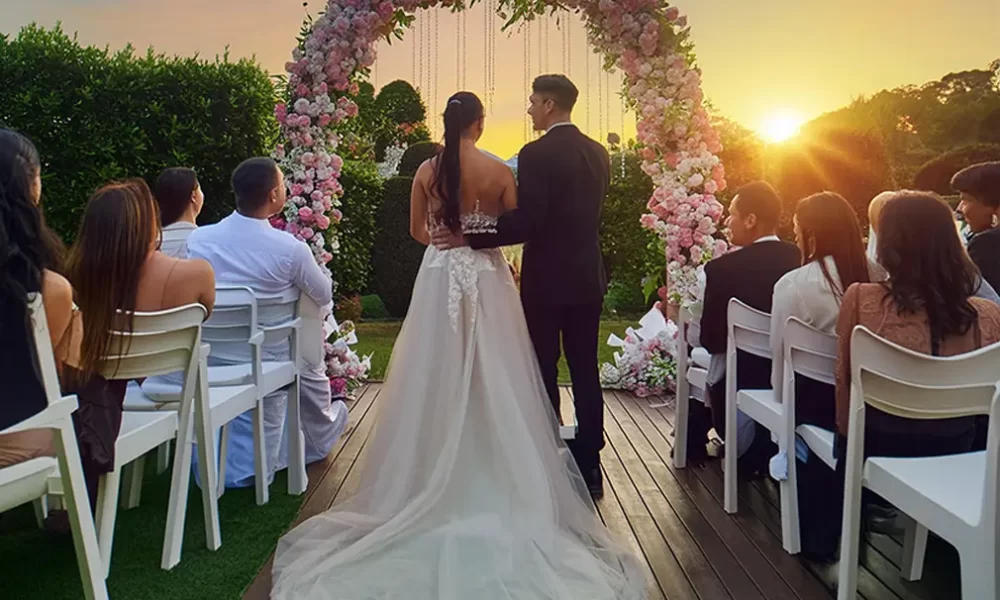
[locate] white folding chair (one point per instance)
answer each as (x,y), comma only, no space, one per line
(692,379)
(240,317)
(811,353)
(955,496)
(162,342)
(31,480)
(750,332)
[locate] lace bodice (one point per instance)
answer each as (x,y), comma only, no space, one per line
(475,222)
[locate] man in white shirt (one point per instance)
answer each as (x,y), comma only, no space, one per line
(180,198)
(245,250)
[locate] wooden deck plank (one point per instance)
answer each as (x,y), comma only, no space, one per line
(659,556)
(655,453)
(795,574)
(696,566)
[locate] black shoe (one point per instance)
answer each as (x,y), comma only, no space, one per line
(595,482)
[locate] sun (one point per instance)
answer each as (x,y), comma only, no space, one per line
(781,126)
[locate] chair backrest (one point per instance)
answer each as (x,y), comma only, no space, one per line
(749,329)
(234,318)
(46,362)
(913,385)
(809,351)
(160,342)
(806,351)
(279,316)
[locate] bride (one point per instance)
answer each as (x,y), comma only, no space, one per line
(467,492)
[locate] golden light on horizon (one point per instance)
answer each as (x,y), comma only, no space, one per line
(781,126)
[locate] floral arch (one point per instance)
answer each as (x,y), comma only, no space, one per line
(647,39)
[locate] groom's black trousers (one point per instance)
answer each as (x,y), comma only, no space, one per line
(579,327)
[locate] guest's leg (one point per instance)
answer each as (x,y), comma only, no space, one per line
(543,327)
(581,332)
(323,419)
(239,456)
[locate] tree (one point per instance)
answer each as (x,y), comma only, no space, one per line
(402,117)
(935,176)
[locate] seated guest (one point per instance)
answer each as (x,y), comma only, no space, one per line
(833,257)
(30,262)
(749,275)
(114,266)
(180,199)
(979,186)
(927,305)
(245,250)
(874,212)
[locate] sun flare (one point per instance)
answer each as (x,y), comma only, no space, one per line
(781,126)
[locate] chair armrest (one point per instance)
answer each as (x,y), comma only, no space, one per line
(49,417)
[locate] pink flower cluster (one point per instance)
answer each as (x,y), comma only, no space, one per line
(346,370)
(645,367)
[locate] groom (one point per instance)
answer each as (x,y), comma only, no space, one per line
(563,178)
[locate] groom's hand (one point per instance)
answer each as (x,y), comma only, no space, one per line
(444,239)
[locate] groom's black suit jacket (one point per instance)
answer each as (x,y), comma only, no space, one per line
(563,178)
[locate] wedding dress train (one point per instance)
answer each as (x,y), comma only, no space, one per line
(466,491)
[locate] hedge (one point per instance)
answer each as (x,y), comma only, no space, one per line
(936,174)
(415,156)
(351,266)
(396,257)
(98,116)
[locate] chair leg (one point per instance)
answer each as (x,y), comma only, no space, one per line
(260,454)
(730,493)
(682,405)
(789,489)
(133,483)
(41,506)
(163,458)
(914,549)
(107,512)
(173,536)
(223,456)
(207,470)
(850,533)
(298,481)
(979,578)
(88,552)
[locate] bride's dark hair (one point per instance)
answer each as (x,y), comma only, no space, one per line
(464,110)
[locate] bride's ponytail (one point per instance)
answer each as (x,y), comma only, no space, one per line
(463,111)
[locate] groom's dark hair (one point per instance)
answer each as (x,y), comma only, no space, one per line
(559,88)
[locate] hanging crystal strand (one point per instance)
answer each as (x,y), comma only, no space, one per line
(435,80)
(586,74)
(527,80)
(465,47)
(493,53)
(486,55)
(600,104)
(569,47)
(458,53)
(419,57)
(624,109)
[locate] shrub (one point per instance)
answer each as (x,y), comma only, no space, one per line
(935,175)
(97,116)
(625,243)
(348,308)
(415,156)
(397,256)
(351,265)
(402,117)
(372,308)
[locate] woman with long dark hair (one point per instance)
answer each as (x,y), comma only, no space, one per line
(30,262)
(115,266)
(833,257)
(467,492)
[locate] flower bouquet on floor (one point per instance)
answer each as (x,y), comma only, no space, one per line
(645,366)
(346,370)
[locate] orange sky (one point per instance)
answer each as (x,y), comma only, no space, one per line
(759,58)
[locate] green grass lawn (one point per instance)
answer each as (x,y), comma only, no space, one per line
(378,338)
(38,566)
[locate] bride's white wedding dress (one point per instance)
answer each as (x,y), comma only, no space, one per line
(467,493)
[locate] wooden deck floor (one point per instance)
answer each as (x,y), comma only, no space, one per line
(673,519)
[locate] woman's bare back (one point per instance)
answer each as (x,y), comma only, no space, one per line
(487,184)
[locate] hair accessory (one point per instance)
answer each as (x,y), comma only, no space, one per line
(454,101)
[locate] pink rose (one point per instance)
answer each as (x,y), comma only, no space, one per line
(306,233)
(305,213)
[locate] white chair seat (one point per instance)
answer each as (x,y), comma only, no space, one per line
(945,486)
(273,375)
(698,382)
(701,357)
(761,406)
(224,404)
(141,431)
(820,442)
(26,481)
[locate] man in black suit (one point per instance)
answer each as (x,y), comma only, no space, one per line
(749,275)
(563,178)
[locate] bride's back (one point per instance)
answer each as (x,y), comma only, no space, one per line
(483,181)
